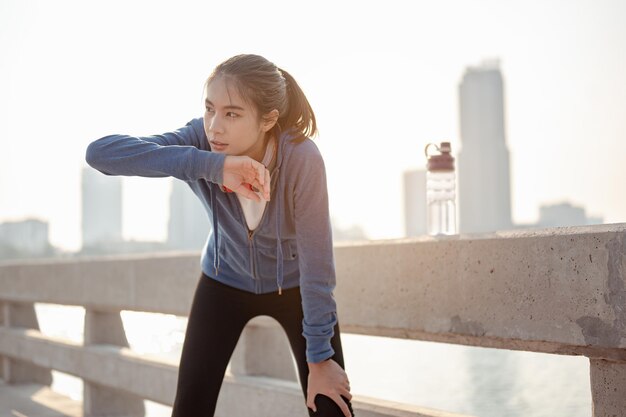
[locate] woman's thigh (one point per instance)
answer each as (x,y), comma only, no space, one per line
(217,317)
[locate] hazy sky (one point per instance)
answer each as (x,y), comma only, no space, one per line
(381,76)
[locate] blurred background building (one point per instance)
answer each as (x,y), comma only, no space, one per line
(24,238)
(484,198)
(414,186)
(101,208)
(188,225)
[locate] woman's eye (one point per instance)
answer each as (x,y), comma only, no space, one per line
(209,109)
(232,115)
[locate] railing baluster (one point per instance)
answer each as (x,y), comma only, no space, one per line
(263,350)
(608,387)
(107,328)
(15,371)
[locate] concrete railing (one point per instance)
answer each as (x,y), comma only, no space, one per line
(555,290)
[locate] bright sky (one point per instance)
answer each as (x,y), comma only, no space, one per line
(381,76)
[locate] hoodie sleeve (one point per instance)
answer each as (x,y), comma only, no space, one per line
(316,261)
(176,154)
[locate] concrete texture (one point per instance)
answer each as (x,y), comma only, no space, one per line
(608,388)
(35,400)
(554,290)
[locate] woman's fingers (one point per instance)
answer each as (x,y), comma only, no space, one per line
(242,173)
(266,186)
(346,393)
(261,180)
(260,173)
(342,404)
(246,192)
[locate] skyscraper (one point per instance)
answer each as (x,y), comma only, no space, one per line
(101,208)
(189,224)
(483,162)
(415,202)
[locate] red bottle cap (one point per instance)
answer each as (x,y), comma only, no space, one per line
(442,162)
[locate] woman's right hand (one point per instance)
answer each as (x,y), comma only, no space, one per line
(239,171)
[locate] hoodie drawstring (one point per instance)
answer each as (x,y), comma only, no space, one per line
(216,258)
(279,246)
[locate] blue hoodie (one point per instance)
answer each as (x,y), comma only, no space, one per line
(292,246)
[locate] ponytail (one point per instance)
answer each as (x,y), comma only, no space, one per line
(299,118)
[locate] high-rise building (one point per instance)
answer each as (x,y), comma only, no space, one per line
(101,208)
(483,171)
(189,225)
(415,202)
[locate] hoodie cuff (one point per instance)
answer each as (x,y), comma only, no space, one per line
(319,352)
(211,166)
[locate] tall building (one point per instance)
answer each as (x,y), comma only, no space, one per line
(415,203)
(189,225)
(484,203)
(101,208)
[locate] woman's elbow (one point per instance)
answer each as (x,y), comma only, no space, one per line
(93,154)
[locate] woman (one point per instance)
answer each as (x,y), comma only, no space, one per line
(262,180)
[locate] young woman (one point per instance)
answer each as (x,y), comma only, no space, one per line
(262,180)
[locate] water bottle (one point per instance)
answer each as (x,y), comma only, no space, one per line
(440,191)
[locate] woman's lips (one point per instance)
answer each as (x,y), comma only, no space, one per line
(218,146)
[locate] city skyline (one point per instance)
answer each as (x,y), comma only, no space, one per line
(376,92)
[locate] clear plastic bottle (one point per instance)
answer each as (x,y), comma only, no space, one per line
(440,191)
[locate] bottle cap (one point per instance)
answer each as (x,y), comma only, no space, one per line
(442,162)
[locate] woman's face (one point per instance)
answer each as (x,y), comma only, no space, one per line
(231,124)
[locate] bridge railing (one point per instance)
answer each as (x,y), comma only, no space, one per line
(557,290)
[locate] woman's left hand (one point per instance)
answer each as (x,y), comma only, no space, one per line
(328,378)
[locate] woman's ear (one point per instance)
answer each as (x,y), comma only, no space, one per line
(269,120)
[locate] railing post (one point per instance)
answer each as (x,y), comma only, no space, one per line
(16,371)
(608,387)
(107,328)
(263,350)
(4,366)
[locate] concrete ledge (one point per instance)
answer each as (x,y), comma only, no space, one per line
(288,396)
(34,400)
(159,283)
(155,379)
(556,290)
(112,366)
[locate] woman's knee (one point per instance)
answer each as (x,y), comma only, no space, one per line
(326,407)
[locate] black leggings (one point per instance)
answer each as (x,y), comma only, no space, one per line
(218,315)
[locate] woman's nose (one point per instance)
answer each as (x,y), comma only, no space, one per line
(215,125)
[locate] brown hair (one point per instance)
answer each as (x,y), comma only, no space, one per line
(268,87)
